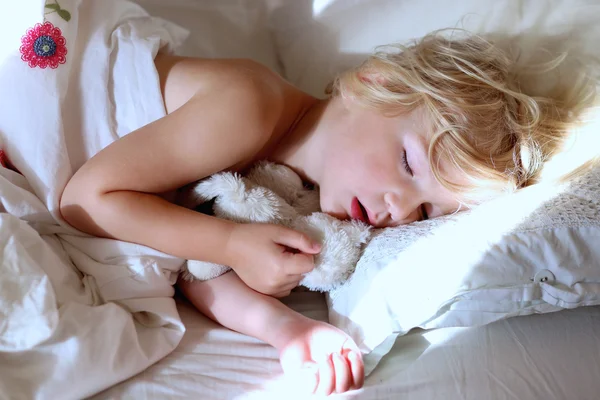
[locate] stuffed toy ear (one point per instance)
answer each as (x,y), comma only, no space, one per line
(257,204)
(210,188)
(238,199)
(224,183)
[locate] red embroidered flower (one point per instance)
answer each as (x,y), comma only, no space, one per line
(43,46)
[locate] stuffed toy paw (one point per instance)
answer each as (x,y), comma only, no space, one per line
(273,193)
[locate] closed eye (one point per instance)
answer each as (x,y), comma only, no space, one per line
(405,163)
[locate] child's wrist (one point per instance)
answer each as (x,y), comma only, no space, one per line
(272,321)
(275,322)
(234,242)
(285,328)
(231,246)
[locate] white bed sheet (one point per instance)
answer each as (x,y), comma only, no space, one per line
(550,356)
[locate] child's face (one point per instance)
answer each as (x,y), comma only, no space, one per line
(376,169)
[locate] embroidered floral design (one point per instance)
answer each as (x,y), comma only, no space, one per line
(55,7)
(43,46)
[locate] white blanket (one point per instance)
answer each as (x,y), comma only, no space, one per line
(77,314)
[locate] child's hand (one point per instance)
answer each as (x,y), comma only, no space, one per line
(270,259)
(320,358)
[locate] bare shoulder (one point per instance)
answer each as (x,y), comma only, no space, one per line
(183,78)
(265,104)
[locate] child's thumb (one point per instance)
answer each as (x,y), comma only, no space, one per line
(304,379)
(298,240)
(310,376)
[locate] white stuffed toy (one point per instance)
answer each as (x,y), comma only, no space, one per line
(273,193)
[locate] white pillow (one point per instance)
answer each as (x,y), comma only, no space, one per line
(223,28)
(315,40)
(533,252)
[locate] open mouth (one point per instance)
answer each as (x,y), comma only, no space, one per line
(358,211)
(363,211)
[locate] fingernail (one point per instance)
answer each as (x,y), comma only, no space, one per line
(353,356)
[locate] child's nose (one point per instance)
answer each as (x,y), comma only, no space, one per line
(402,210)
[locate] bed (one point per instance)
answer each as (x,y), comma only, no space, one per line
(549,356)
(552,356)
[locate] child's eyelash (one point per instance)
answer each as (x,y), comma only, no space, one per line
(405,163)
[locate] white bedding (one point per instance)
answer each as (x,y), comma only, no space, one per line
(550,356)
(78,313)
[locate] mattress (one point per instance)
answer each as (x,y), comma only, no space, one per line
(549,356)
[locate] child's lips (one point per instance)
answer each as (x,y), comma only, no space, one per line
(371,220)
(356,211)
(359,212)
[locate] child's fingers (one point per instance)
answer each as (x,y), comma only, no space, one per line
(326,377)
(298,264)
(343,376)
(302,375)
(357,367)
(297,240)
(310,381)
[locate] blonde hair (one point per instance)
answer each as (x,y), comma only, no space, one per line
(488,128)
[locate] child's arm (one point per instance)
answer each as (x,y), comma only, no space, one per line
(320,355)
(224,116)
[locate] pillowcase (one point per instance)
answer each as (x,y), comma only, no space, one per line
(533,252)
(224,28)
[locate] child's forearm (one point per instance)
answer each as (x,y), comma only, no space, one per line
(152,221)
(228,301)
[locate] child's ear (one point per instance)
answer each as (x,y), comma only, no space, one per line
(367,76)
(372,77)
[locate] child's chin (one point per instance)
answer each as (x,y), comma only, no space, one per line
(339,215)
